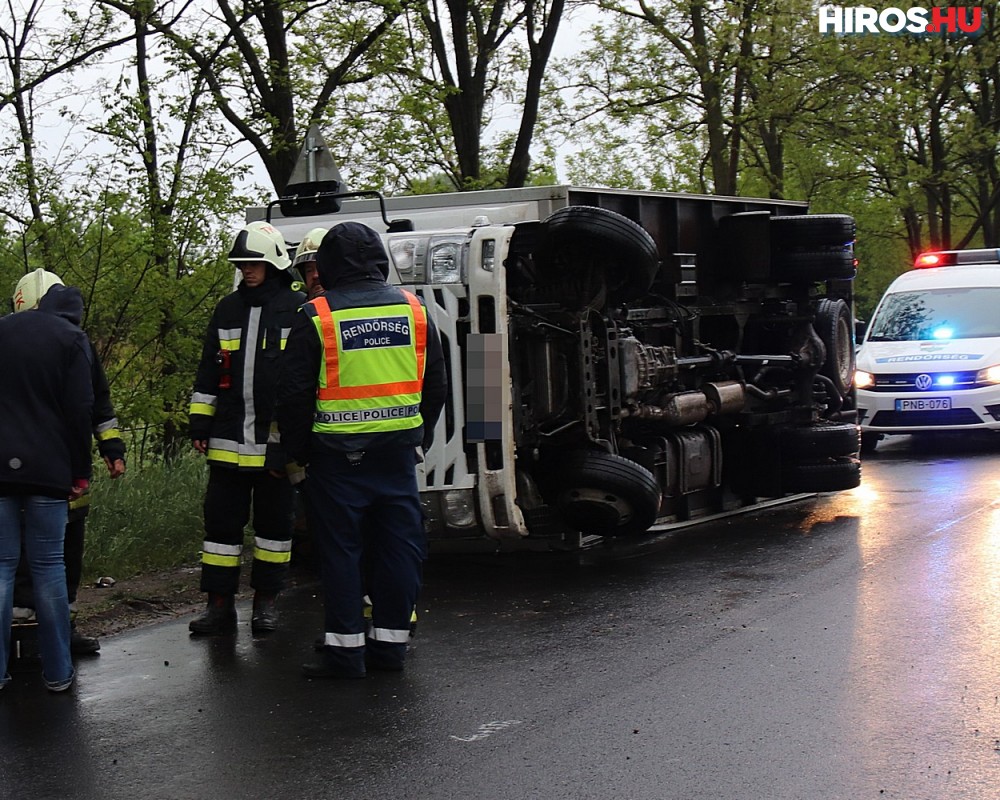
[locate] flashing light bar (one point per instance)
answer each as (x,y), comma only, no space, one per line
(925,260)
(949,258)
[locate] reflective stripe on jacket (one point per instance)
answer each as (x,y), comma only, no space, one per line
(232,405)
(372,370)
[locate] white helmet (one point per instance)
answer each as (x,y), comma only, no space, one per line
(260,241)
(32,288)
(307,248)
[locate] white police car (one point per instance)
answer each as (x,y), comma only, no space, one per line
(930,359)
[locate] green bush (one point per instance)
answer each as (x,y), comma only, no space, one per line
(148,520)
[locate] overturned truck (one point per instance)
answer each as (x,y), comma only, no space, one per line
(619,360)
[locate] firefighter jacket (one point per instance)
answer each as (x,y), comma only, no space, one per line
(46,403)
(364,367)
(103,421)
(232,405)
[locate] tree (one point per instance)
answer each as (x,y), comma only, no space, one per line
(274,66)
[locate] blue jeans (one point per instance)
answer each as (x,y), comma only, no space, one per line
(44,520)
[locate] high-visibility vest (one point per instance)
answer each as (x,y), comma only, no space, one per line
(372,372)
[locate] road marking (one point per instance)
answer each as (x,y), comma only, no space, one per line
(488,729)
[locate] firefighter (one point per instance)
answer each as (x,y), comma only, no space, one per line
(305,261)
(232,424)
(32,291)
(363,383)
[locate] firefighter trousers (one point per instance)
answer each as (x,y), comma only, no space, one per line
(373,504)
(229,499)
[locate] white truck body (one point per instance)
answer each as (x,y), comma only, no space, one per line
(646,375)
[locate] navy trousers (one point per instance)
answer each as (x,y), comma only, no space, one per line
(372,504)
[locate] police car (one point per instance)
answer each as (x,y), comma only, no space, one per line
(930,359)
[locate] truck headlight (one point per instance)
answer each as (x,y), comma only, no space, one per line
(863,380)
(989,375)
(446,257)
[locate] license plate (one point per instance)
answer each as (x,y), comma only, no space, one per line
(924,404)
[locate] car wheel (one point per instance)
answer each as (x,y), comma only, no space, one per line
(835,326)
(869,442)
(602,243)
(607,495)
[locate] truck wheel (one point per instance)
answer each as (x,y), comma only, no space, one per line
(812,231)
(607,495)
(835,326)
(815,266)
(596,239)
(834,475)
(823,440)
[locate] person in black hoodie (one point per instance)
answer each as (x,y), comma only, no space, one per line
(45,411)
(362,385)
(232,424)
(32,291)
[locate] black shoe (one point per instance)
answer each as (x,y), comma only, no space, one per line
(265,613)
(330,664)
(81,645)
(219,618)
(384,657)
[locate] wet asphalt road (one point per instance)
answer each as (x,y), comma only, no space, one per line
(842,647)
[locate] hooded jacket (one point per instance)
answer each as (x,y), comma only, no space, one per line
(352,265)
(104,422)
(46,402)
(232,405)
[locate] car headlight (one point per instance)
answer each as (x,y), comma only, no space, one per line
(863,380)
(989,375)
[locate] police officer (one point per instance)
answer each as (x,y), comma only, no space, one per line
(232,423)
(362,384)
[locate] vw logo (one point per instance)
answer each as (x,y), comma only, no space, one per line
(923,382)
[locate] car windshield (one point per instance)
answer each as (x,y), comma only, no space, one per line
(937,315)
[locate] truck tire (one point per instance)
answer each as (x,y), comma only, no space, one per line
(815,266)
(812,231)
(608,495)
(591,238)
(835,326)
(822,440)
(832,475)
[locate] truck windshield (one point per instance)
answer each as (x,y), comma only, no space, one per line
(938,315)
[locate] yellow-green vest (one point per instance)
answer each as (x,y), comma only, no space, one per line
(372,372)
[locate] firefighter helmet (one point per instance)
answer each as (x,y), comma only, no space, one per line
(260,241)
(309,245)
(32,288)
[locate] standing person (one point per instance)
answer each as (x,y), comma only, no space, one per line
(32,291)
(45,410)
(231,423)
(305,261)
(363,383)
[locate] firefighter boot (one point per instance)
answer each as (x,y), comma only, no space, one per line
(219,618)
(265,613)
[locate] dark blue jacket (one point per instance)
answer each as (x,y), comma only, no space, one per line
(46,402)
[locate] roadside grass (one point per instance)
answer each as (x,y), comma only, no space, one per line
(148,520)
